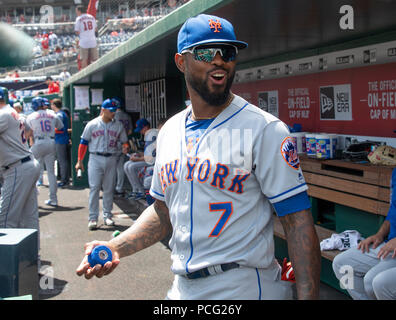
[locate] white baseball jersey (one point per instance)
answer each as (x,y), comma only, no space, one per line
(43,124)
(86,26)
(12,137)
(222,192)
(103,137)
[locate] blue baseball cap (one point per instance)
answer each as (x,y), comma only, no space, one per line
(46,102)
(204,29)
(140,124)
(120,101)
(110,104)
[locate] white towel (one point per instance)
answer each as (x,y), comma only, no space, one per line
(341,241)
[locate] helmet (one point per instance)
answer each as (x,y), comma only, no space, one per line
(46,102)
(11,102)
(37,103)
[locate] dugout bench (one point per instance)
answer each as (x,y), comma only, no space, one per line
(344,195)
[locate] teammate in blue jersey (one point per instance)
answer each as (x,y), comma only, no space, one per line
(62,143)
(222,166)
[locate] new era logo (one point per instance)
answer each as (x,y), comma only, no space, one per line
(216,25)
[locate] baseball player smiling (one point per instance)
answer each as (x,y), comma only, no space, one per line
(222,165)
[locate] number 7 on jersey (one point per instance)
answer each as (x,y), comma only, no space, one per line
(227,210)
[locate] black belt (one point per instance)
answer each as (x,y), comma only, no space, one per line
(202,273)
(26,159)
(103,154)
(43,138)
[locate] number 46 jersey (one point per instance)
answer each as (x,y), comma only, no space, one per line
(222,192)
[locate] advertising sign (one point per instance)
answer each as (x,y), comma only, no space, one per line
(335,102)
(268,101)
(352,101)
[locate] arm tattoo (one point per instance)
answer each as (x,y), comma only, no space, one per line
(304,252)
(152,226)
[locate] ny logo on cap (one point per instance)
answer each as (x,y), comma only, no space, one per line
(216,25)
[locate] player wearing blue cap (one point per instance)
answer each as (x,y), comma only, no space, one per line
(218,200)
(43,123)
(102,135)
(137,162)
(46,105)
(20,171)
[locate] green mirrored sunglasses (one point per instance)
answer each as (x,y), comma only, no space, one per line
(207,54)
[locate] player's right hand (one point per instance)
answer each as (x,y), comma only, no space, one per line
(99,271)
(374,240)
(79,165)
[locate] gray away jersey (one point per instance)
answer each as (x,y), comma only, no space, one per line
(220,193)
(13,142)
(103,137)
(43,123)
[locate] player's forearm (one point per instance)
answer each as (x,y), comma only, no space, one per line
(152,226)
(384,229)
(304,252)
(82,150)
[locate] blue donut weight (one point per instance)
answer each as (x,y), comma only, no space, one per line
(100,255)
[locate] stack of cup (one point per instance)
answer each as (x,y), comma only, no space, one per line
(310,139)
(326,145)
(299,141)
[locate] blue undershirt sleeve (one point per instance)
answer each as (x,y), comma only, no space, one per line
(293,204)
